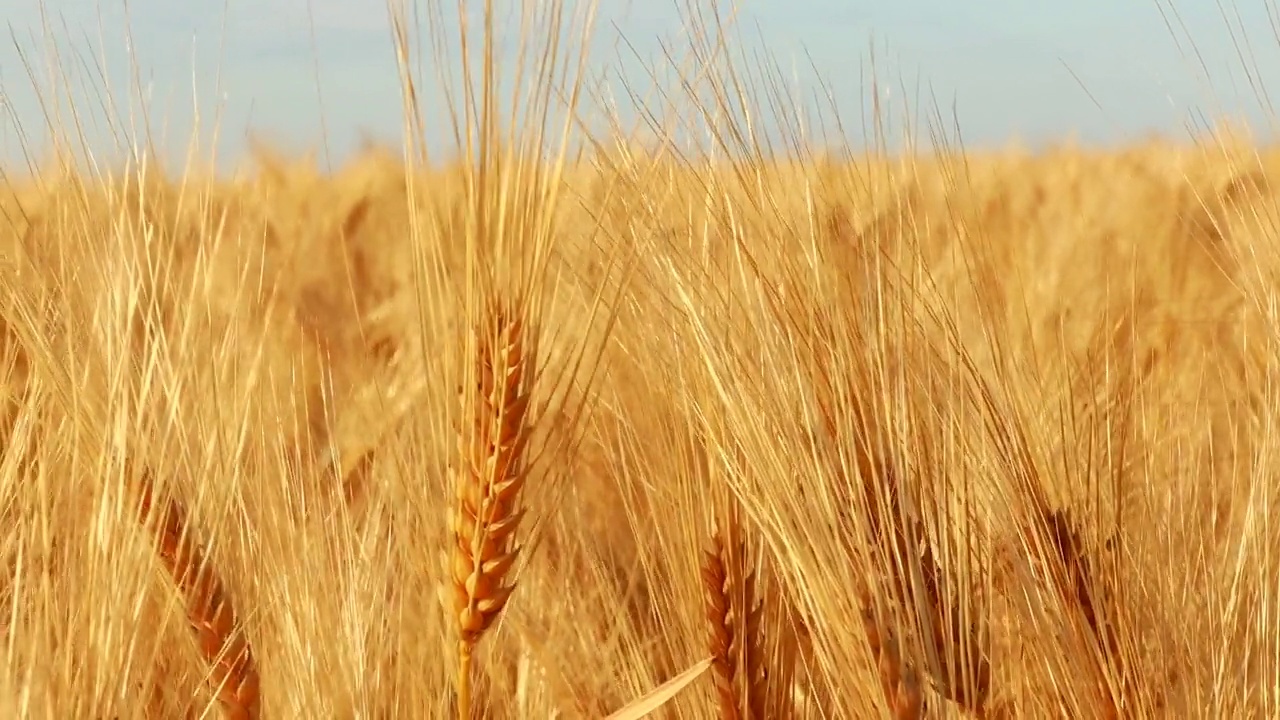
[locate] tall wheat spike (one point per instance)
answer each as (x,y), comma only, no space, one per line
(487,487)
(898,679)
(1075,574)
(735,616)
(233,670)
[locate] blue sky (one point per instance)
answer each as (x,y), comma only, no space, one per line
(297,71)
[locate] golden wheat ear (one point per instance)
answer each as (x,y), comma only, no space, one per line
(233,671)
(487,484)
(888,531)
(1079,578)
(734,615)
(899,681)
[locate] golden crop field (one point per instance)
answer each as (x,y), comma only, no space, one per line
(984,435)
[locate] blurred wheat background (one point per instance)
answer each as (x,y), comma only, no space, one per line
(692,433)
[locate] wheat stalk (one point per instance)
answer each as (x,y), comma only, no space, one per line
(487,487)
(210,613)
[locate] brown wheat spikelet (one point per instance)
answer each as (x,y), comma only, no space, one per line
(735,616)
(212,617)
(487,486)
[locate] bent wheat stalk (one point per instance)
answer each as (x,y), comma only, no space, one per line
(212,617)
(487,488)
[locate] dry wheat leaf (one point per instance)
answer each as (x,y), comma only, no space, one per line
(660,695)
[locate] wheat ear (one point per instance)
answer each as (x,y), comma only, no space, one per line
(221,641)
(1077,582)
(487,488)
(735,618)
(898,679)
(961,640)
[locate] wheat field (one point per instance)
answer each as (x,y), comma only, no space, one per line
(644,434)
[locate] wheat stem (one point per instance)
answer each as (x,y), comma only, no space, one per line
(464,680)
